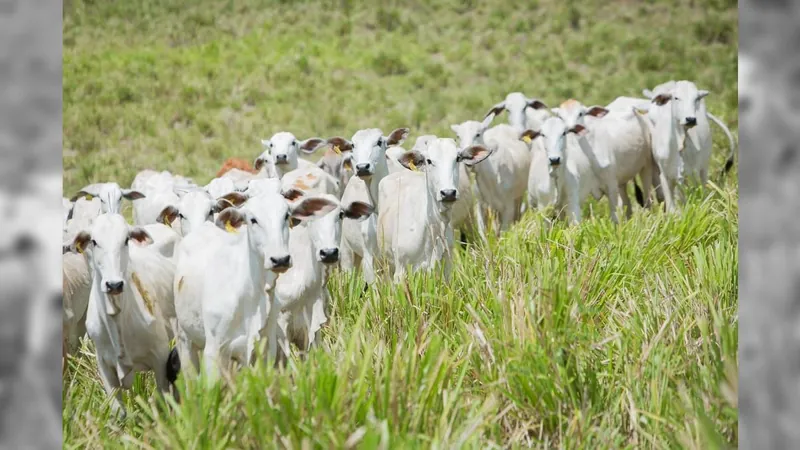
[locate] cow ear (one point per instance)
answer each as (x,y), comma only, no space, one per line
(81,241)
(662,99)
(474,154)
(397,136)
(535,103)
(495,110)
(311,207)
(579,130)
(357,210)
(293,194)
(529,135)
(597,111)
(140,236)
(340,144)
(648,93)
(311,145)
(412,160)
(85,193)
(232,199)
(702,93)
(259,162)
(130,194)
(230,219)
(168,215)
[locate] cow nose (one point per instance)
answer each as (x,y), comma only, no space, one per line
(114,287)
(555,161)
(329,255)
(449,195)
(281,159)
(691,121)
(362,169)
(282,262)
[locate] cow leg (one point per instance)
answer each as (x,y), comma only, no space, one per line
(462,237)
(185,351)
(368,267)
(478,212)
(626,200)
(507,217)
(703,178)
(656,177)
(317,319)
(646,175)
(110,381)
(211,361)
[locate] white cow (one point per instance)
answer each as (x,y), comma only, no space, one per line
(338,164)
(110,195)
(462,215)
(414,225)
(225,273)
(623,137)
(580,165)
(668,141)
(130,283)
(312,179)
(523,112)
(282,151)
(689,111)
(160,189)
(503,179)
(314,247)
(359,239)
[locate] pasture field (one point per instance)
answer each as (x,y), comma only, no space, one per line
(591,336)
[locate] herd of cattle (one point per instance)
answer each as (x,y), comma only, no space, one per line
(245,259)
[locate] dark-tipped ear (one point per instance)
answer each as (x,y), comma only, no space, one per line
(662,99)
(702,93)
(231,199)
(130,194)
(474,154)
(397,136)
(82,240)
(312,207)
(293,194)
(230,219)
(140,236)
(340,144)
(412,160)
(258,164)
(83,193)
(496,110)
(311,145)
(529,135)
(168,215)
(535,103)
(597,111)
(358,210)
(579,130)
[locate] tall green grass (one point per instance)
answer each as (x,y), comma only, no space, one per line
(591,336)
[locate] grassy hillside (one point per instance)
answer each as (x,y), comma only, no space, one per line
(573,337)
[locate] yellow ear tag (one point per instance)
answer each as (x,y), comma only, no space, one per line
(166,221)
(412,166)
(348,165)
(527,139)
(336,149)
(78,247)
(229,228)
(88,197)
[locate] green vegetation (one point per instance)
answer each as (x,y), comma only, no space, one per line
(573,337)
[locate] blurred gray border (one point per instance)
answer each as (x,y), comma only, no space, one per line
(769,221)
(30,140)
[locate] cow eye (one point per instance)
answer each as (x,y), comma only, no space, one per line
(477,135)
(429,162)
(126,241)
(94,243)
(253,220)
(341,214)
